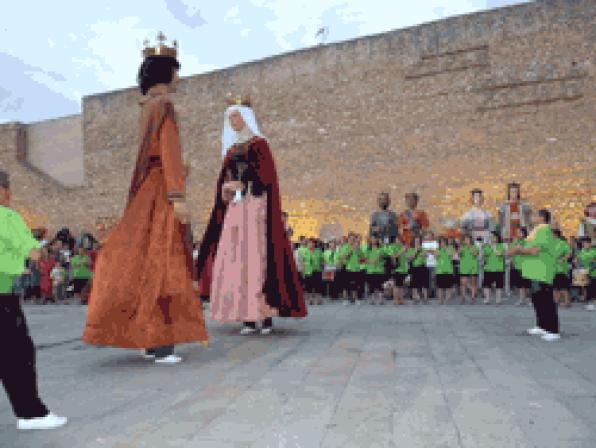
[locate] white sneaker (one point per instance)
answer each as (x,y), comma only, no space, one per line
(267,330)
(170,359)
(549,337)
(247,330)
(590,307)
(486,301)
(536,331)
(50,421)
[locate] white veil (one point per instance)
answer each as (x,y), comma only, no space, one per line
(231,137)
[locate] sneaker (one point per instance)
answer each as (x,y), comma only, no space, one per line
(520,302)
(247,330)
(50,421)
(170,359)
(266,330)
(590,307)
(536,331)
(550,337)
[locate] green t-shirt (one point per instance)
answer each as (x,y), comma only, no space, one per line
(340,252)
(516,260)
(492,261)
(562,251)
(308,260)
(541,267)
(330,257)
(468,260)
(16,241)
(353,260)
(80,267)
(444,261)
(587,259)
(364,248)
(375,260)
(420,259)
(317,260)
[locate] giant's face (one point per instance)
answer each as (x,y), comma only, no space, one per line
(383,200)
(514,193)
(477,199)
(236,121)
(411,201)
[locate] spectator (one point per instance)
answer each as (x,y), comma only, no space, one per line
(587,226)
(58,276)
(587,260)
(46,264)
(81,274)
(494,268)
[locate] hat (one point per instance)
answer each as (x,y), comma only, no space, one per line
(4,181)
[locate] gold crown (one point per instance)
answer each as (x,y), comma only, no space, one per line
(236,100)
(161,49)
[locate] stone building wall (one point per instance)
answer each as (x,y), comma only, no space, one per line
(56,148)
(471,101)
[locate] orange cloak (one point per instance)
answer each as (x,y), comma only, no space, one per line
(142,294)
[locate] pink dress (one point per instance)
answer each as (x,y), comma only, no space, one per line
(240,264)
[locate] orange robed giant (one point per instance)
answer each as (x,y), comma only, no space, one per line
(142,294)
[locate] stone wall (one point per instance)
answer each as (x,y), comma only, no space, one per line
(56,148)
(472,101)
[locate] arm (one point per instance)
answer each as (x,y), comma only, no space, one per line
(171,156)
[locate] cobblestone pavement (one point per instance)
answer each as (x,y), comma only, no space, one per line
(347,376)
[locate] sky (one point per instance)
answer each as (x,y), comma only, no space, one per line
(52,53)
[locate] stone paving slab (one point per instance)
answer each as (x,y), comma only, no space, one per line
(415,376)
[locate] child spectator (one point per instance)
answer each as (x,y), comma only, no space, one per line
(444,271)
(396,252)
(494,268)
(420,278)
(587,260)
(80,271)
(375,271)
(517,281)
(352,258)
(58,276)
(468,268)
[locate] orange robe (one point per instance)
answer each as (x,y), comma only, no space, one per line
(406,235)
(142,294)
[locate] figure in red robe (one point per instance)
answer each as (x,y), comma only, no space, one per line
(246,265)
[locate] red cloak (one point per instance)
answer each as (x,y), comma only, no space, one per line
(282,287)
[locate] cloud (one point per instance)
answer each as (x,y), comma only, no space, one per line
(189,15)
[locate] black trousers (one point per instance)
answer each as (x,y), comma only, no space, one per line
(547,315)
(17,369)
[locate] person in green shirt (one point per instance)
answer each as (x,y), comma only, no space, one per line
(562,281)
(419,273)
(494,267)
(444,271)
(17,369)
(522,285)
(586,258)
(468,268)
(318,272)
(80,272)
(397,253)
(309,259)
(301,252)
(330,269)
(375,271)
(351,259)
(538,265)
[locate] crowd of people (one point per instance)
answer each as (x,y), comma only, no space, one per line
(401,258)
(63,273)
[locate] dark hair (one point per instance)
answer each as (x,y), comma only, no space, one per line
(557,233)
(544,214)
(497,236)
(477,190)
(513,185)
(156,70)
(523,231)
